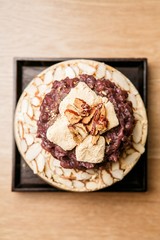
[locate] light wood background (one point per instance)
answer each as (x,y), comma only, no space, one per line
(68,28)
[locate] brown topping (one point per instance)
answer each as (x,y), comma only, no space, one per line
(95,139)
(85,119)
(72,115)
(76,136)
(78,131)
(82,106)
(108,140)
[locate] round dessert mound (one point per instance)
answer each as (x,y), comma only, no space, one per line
(119,137)
(80,125)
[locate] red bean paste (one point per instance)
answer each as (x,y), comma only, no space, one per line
(120,136)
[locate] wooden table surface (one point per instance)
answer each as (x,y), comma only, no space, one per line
(68,28)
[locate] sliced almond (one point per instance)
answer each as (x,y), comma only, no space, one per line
(58,171)
(69,72)
(101,70)
(118,174)
(130,160)
(82,175)
(59,74)
(120,80)
(24,106)
(38,81)
(40,162)
(32,129)
(42,89)
(34,167)
(36,114)
(48,77)
(86,69)
(21,130)
(31,90)
(107,178)
(30,111)
(137,132)
(130,151)
(78,184)
(53,162)
(139,147)
(19,117)
(35,101)
(108,75)
(67,173)
(144,134)
(23,146)
(28,119)
(65,182)
(33,151)
(48,171)
(91,185)
(76,70)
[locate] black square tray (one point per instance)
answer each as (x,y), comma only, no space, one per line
(23,179)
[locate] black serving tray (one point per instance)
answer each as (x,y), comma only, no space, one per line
(23,179)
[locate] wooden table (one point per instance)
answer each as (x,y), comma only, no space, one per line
(48,28)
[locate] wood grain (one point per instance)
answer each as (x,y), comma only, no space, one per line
(69,28)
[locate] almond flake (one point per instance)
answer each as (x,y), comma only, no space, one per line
(86,68)
(48,171)
(30,111)
(101,70)
(69,72)
(59,74)
(118,174)
(139,147)
(34,167)
(29,139)
(76,70)
(35,101)
(21,130)
(23,146)
(42,89)
(40,162)
(48,77)
(91,185)
(33,151)
(37,81)
(24,106)
(108,75)
(120,80)
(78,184)
(58,171)
(137,132)
(31,90)
(107,178)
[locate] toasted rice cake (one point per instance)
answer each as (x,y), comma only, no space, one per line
(42,162)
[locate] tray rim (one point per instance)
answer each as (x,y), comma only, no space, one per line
(18,64)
